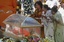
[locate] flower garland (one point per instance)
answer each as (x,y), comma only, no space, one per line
(28,6)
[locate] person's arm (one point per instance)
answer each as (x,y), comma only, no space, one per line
(57,18)
(54,19)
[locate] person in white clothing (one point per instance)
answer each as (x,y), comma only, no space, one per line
(61,10)
(58,24)
(48,24)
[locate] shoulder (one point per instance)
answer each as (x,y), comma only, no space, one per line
(58,14)
(48,12)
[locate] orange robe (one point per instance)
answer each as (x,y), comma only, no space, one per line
(7,5)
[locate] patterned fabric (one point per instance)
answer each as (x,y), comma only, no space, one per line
(28,6)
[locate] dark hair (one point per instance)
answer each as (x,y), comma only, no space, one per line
(54,9)
(46,7)
(39,3)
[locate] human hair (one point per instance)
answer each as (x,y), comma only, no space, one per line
(39,3)
(46,7)
(54,9)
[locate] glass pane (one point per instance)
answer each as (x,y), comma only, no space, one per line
(15,19)
(29,22)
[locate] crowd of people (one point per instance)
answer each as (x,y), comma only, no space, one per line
(51,16)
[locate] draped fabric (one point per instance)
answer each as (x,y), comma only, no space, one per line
(6,6)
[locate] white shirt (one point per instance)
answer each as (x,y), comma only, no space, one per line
(61,10)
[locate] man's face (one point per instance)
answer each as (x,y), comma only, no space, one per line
(53,12)
(60,0)
(62,5)
(37,6)
(44,9)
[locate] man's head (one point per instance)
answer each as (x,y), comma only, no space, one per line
(38,5)
(62,4)
(54,9)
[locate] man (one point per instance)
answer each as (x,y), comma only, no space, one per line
(58,25)
(7,7)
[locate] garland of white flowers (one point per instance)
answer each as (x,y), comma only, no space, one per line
(28,6)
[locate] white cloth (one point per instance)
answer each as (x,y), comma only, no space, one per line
(52,3)
(1,40)
(61,10)
(58,28)
(48,26)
